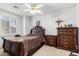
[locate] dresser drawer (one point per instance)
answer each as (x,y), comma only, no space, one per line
(65,33)
(51,43)
(51,40)
(66,40)
(66,30)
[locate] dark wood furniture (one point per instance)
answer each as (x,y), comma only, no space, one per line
(51,40)
(13,48)
(67,38)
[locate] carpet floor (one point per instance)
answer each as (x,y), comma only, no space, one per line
(51,51)
(45,51)
(2,53)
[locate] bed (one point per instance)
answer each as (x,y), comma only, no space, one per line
(21,46)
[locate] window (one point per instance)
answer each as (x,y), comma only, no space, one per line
(7,25)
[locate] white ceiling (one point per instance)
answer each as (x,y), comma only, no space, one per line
(47,8)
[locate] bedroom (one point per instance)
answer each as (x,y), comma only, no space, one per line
(48,14)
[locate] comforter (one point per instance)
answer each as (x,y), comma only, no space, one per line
(21,45)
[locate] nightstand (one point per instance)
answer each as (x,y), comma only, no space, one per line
(51,40)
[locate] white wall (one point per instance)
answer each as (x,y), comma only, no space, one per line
(27,24)
(77,15)
(69,15)
(48,20)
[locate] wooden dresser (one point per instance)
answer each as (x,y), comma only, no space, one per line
(51,40)
(67,38)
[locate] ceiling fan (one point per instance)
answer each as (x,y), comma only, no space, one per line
(34,8)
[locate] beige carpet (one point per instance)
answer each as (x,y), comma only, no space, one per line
(51,51)
(45,51)
(2,53)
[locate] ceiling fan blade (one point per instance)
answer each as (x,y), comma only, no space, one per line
(39,6)
(29,6)
(35,11)
(32,12)
(27,10)
(38,11)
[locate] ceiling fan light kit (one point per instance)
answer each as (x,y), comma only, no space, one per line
(34,8)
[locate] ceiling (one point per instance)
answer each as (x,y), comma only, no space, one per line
(17,8)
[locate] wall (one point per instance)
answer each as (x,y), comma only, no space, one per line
(27,24)
(48,21)
(77,15)
(19,24)
(69,16)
